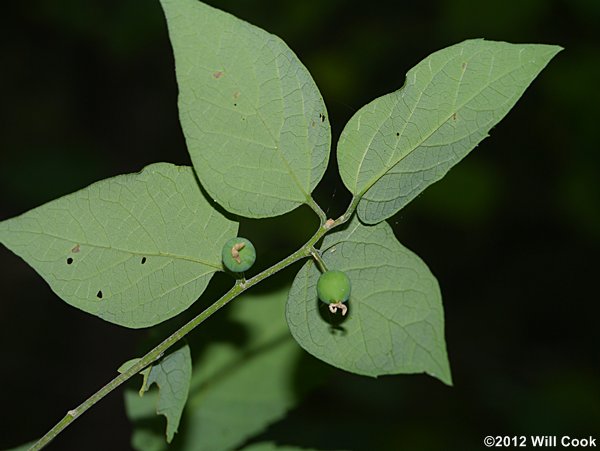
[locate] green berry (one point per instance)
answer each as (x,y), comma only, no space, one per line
(333,287)
(238,254)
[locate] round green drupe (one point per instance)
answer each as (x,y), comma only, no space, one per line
(238,254)
(333,287)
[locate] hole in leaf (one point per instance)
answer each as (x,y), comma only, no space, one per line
(99,294)
(235,104)
(143,260)
(69,261)
(397,133)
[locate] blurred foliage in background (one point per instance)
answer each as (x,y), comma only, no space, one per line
(512,233)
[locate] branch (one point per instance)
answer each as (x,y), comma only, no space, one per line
(317,257)
(317,209)
(241,285)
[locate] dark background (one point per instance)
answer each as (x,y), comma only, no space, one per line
(512,233)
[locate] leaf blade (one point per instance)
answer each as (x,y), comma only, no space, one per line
(395,320)
(172,375)
(254,121)
(412,137)
(135,249)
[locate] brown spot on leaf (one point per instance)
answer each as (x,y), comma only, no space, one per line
(236,95)
(218,74)
(75,249)
(464,66)
(454,117)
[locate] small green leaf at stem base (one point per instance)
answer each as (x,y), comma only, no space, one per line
(172,375)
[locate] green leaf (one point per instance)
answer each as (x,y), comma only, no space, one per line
(253,119)
(236,390)
(134,249)
(172,375)
(399,144)
(395,320)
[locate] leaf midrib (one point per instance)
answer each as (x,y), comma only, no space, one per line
(276,143)
(279,150)
(376,178)
(142,254)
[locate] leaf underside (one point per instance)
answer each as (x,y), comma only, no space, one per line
(134,249)
(172,375)
(399,144)
(254,121)
(395,320)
